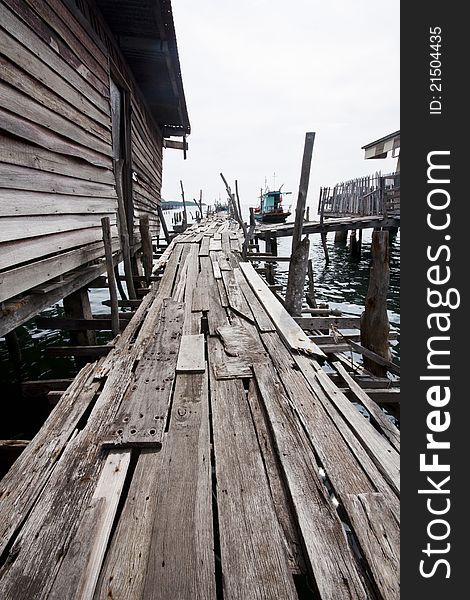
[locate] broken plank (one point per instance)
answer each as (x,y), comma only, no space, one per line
(288,329)
(236,299)
(329,322)
(382,421)
(251,548)
(331,562)
(191,358)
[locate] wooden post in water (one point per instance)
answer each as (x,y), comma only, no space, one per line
(249,234)
(14,353)
(300,248)
(374,319)
(311,301)
(108,250)
(185,216)
(147,250)
(341,237)
(161,216)
(355,243)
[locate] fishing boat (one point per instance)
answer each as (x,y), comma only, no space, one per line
(270,209)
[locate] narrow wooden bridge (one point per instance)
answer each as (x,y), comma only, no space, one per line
(208,455)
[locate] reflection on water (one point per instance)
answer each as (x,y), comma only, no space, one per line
(343,284)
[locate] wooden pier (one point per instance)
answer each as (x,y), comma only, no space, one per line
(214,452)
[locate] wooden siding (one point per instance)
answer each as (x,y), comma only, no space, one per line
(56,154)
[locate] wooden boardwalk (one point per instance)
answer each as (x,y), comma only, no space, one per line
(336,224)
(209,455)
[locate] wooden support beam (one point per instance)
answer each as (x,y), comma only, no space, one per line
(41,387)
(88,351)
(374,360)
(77,308)
(130,303)
(144,227)
(111,278)
(163,223)
(122,226)
(300,248)
(374,320)
(80,325)
(327,322)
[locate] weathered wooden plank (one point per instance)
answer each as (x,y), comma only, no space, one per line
(204,249)
(382,421)
(80,569)
(21,279)
(279,491)
(26,202)
(93,61)
(236,299)
(262,319)
(191,357)
(379,538)
(331,562)
(12,228)
(24,178)
(69,324)
(250,539)
(288,329)
(184,497)
(22,485)
(30,86)
(142,415)
(43,62)
(15,152)
(37,134)
(379,449)
(328,322)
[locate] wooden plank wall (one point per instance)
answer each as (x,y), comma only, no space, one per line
(56,167)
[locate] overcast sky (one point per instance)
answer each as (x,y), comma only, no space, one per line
(258,74)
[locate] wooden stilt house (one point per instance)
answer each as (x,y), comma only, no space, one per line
(90,93)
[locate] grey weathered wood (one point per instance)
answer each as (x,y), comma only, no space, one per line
(146,246)
(330,559)
(191,357)
(250,539)
(161,216)
(235,295)
(20,492)
(374,321)
(291,333)
(312,323)
(110,273)
(123,229)
(379,538)
(375,358)
(298,265)
(279,490)
(80,569)
(384,423)
(261,317)
(303,189)
(142,415)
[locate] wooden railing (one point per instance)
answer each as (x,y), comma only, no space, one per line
(366,196)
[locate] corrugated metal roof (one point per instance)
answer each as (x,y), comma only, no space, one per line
(145,32)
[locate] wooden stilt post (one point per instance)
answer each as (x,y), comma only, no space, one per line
(274,245)
(110,272)
(123,230)
(120,287)
(249,234)
(77,306)
(355,245)
(323,233)
(185,214)
(311,301)
(147,250)
(14,353)
(341,237)
(300,248)
(374,319)
(161,216)
(200,204)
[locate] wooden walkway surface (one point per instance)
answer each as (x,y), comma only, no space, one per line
(208,455)
(336,224)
